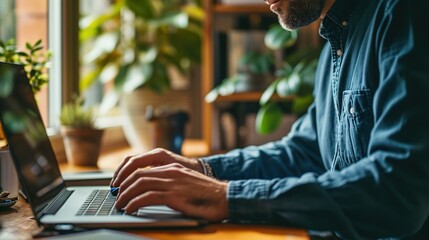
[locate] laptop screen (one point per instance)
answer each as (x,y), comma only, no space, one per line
(28,142)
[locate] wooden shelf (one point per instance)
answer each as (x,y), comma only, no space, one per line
(233,9)
(249,97)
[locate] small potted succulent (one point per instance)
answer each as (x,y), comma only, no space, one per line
(82,140)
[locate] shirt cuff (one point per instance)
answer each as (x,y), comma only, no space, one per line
(246,201)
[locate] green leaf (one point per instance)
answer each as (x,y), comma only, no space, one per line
(22,54)
(289,86)
(194,12)
(109,72)
(89,78)
(90,26)
(301,104)
(34,50)
(137,75)
(38,43)
(148,55)
(212,95)
(177,19)
(277,37)
(110,99)
(159,80)
(268,118)
(227,87)
(142,8)
(105,43)
(189,45)
(119,80)
(268,93)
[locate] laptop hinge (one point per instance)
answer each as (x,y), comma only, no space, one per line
(56,204)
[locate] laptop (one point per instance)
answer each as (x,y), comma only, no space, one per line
(51,201)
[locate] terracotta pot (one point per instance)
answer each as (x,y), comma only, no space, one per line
(82,145)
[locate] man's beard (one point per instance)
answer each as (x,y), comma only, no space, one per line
(300,13)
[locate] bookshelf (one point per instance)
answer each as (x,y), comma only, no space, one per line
(221,23)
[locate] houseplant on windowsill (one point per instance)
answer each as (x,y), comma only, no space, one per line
(82,140)
(137,46)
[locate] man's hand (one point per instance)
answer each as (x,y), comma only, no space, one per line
(174,185)
(154,158)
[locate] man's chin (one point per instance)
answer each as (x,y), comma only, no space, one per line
(288,27)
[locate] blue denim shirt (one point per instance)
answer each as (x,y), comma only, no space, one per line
(358,162)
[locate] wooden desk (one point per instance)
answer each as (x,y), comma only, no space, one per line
(18,223)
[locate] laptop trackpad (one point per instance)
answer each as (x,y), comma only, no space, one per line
(158,212)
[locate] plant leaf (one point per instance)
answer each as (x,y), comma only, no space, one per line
(137,75)
(268,93)
(289,86)
(142,8)
(110,99)
(178,19)
(277,37)
(268,118)
(105,43)
(212,95)
(301,104)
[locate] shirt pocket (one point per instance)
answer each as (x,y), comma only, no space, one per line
(356,123)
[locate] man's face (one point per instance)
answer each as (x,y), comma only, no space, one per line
(296,13)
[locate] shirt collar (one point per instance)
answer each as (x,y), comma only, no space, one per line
(337,17)
(341,12)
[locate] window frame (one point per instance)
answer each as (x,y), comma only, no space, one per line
(63,35)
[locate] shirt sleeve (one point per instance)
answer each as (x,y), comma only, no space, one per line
(387,192)
(291,156)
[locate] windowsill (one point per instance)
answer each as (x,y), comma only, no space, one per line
(115,146)
(110,160)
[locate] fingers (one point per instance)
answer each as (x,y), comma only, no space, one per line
(147,199)
(154,158)
(166,172)
(125,161)
(142,180)
(131,163)
(139,187)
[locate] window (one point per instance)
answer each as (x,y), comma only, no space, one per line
(26,21)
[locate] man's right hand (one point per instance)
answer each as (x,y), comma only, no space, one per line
(155,158)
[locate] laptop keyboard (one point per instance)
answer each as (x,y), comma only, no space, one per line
(99,203)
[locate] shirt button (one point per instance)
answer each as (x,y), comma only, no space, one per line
(352,110)
(339,52)
(344,23)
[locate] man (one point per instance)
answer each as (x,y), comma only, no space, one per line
(356,164)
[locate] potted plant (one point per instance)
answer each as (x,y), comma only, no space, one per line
(291,88)
(82,140)
(291,91)
(138,46)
